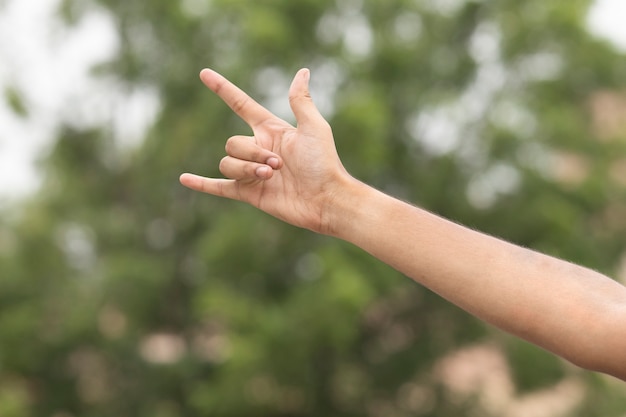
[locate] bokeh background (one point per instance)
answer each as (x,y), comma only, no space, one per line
(124,294)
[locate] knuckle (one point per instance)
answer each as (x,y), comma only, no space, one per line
(294,100)
(234,144)
(250,169)
(327,127)
(228,147)
(219,86)
(239,104)
(302,97)
(223,166)
(256,155)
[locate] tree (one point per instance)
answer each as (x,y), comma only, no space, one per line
(128,295)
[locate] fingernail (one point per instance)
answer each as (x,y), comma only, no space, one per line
(273,162)
(262,172)
(306,74)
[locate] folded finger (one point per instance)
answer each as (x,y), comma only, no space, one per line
(238,169)
(245,148)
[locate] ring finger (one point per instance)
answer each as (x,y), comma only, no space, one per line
(239,169)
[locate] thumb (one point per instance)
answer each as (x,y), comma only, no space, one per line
(300,100)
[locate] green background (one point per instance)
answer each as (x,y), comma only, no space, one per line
(124,294)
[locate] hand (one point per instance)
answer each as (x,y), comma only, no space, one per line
(292,173)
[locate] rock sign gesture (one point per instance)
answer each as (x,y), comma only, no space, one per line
(295,174)
(289,172)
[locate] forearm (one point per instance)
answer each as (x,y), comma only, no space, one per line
(562,307)
(295,174)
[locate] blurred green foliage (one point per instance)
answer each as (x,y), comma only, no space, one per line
(123,294)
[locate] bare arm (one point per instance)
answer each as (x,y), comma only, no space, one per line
(294,173)
(572,311)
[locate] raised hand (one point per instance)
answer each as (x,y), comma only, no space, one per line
(292,173)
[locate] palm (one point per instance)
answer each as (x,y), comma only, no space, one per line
(299,190)
(296,192)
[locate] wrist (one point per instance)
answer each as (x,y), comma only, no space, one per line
(346,208)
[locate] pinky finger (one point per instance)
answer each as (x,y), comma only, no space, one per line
(216,186)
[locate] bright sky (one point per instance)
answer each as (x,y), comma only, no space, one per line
(50,64)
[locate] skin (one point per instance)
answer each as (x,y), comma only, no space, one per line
(295,174)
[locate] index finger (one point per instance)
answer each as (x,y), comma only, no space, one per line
(241,103)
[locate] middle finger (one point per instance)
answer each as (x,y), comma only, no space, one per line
(246,149)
